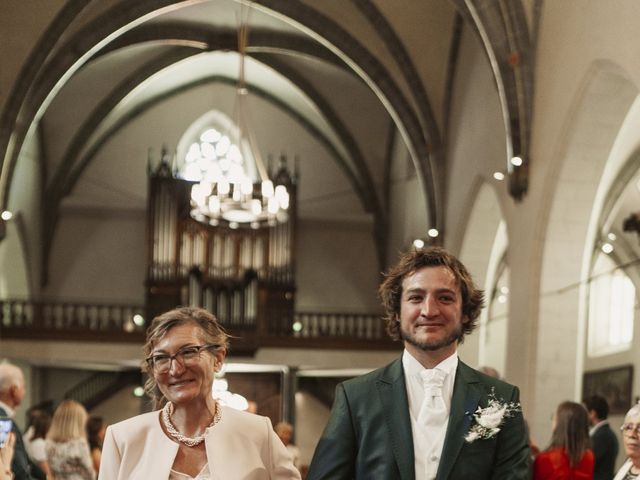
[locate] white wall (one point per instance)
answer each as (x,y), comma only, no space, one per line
(100,256)
(408,208)
(311,418)
(336,268)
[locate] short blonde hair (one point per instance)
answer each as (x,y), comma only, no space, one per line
(68,422)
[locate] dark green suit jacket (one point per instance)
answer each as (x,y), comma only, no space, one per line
(369,432)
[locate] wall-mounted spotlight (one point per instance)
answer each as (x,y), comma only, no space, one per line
(516,161)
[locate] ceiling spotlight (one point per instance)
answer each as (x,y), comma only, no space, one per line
(433,232)
(6,215)
(418,243)
(607,248)
(612,236)
(498,176)
(516,161)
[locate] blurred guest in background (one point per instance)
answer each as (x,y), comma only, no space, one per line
(192,435)
(492,372)
(284,431)
(34,439)
(95,434)
(66,444)
(604,441)
(12,392)
(569,456)
(631,442)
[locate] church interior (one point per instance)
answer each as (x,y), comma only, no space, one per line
(267,160)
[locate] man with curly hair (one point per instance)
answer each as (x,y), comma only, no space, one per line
(426,415)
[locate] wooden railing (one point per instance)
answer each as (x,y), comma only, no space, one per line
(23,319)
(71,321)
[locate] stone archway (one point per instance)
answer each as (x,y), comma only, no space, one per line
(600,108)
(478,254)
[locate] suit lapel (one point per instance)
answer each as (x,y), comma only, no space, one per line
(393,395)
(463,403)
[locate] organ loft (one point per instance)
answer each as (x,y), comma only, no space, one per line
(239,268)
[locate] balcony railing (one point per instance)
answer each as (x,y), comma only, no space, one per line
(37,320)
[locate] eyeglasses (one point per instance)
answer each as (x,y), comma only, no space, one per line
(630,429)
(186,356)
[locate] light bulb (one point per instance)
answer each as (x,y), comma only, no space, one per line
(267,189)
(223,187)
(273,206)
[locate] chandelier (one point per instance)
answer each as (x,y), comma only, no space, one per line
(227,190)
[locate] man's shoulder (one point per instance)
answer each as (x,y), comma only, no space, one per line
(605,431)
(472,375)
(389,373)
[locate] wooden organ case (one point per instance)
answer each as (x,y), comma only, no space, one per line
(244,276)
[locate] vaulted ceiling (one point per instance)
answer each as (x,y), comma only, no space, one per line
(354,75)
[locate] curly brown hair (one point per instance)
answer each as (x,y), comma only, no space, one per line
(212,332)
(390,290)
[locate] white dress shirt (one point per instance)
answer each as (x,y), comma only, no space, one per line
(593,429)
(10,411)
(427,445)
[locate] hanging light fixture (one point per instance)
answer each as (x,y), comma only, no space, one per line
(226,191)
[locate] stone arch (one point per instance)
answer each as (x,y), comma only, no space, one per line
(481,248)
(605,96)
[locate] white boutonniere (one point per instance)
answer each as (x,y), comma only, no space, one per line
(490,418)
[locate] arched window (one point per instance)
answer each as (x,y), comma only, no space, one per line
(611,308)
(209,151)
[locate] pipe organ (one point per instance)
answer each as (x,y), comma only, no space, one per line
(245,276)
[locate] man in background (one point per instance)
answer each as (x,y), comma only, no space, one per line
(603,440)
(12,392)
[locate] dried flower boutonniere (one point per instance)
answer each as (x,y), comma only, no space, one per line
(490,418)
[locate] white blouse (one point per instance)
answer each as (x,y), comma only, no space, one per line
(203,475)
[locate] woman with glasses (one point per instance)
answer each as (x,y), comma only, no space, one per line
(631,441)
(190,436)
(569,455)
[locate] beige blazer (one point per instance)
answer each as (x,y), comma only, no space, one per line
(240,446)
(623,470)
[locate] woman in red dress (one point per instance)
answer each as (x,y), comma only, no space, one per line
(569,456)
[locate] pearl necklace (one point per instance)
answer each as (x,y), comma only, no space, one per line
(167,411)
